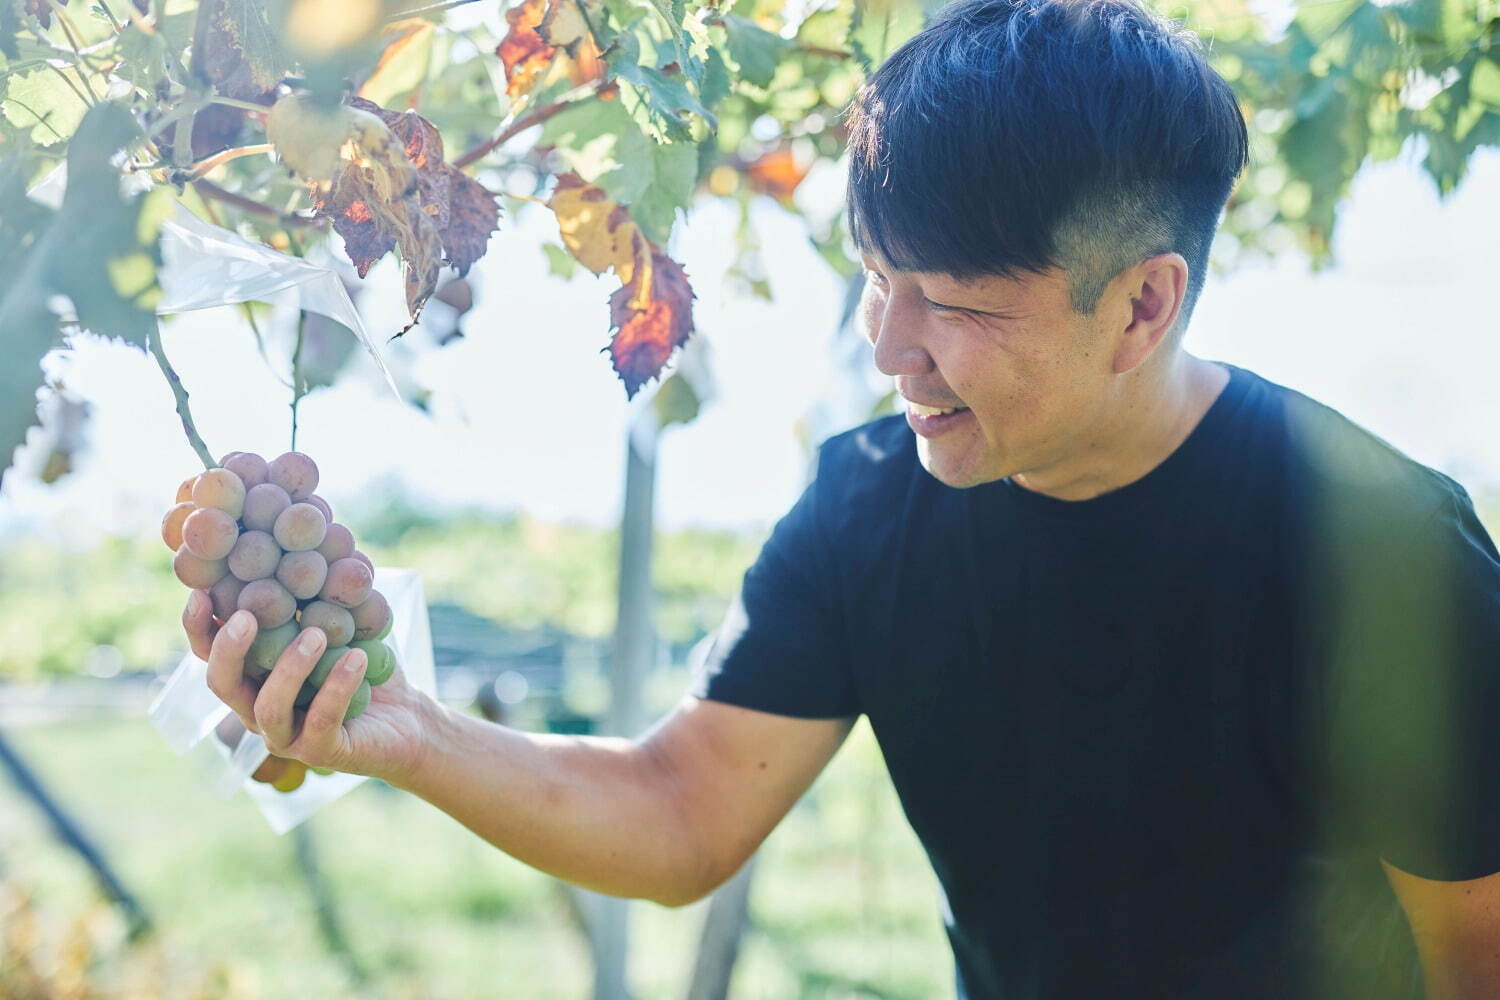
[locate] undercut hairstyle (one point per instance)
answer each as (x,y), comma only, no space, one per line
(1012,136)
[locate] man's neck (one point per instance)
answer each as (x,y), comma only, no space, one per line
(1151,419)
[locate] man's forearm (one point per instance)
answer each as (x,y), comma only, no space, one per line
(595,811)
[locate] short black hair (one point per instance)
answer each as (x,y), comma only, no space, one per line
(1012,136)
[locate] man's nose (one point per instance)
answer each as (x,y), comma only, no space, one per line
(898,330)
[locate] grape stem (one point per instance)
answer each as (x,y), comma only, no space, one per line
(153,342)
(212,191)
(299,386)
(535,118)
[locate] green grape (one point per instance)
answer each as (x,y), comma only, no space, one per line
(270,602)
(294,472)
(348,583)
(249,466)
(255,556)
(263,504)
(359,702)
(209,533)
(200,574)
(222,489)
(299,528)
(267,647)
(324,771)
(302,573)
(381,662)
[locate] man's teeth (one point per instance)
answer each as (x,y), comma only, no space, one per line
(932,411)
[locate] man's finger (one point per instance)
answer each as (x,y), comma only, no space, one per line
(198,623)
(226,667)
(274,708)
(322,737)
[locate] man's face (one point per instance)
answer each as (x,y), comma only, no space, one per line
(1034,375)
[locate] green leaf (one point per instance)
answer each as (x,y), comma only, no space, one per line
(43,101)
(99,249)
(755,50)
(1484,83)
(879,27)
(145,58)
(559,261)
(605,146)
(675,402)
(10,25)
(236,50)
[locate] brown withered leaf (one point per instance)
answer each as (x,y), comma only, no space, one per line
(566,26)
(776,173)
(236,50)
(522,51)
(463,210)
(41,10)
(645,338)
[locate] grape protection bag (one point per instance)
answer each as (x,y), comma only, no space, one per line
(194,722)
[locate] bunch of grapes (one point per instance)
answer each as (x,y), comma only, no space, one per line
(257,538)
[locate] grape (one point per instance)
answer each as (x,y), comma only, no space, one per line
(325,771)
(249,466)
(336,622)
(200,574)
(267,647)
(270,769)
(337,544)
(359,702)
(291,779)
(371,616)
(322,505)
(225,596)
(222,489)
(300,527)
(302,573)
(209,533)
(348,583)
(295,473)
(185,488)
(364,559)
(224,458)
(263,504)
(255,556)
(380,661)
(270,602)
(171,525)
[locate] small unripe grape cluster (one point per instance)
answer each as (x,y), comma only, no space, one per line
(256,537)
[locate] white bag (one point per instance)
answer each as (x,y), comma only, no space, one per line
(188,715)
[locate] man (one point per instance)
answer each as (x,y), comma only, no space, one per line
(1185,681)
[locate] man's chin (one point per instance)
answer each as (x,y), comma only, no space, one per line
(944,469)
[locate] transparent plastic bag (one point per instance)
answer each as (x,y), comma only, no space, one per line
(195,723)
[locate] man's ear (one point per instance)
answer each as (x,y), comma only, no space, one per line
(1153,291)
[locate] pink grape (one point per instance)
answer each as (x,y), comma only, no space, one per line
(255,556)
(322,505)
(364,559)
(225,596)
(300,527)
(371,616)
(209,533)
(185,488)
(200,574)
(302,573)
(249,466)
(296,473)
(222,489)
(348,583)
(270,602)
(263,504)
(171,524)
(337,544)
(336,622)
(224,458)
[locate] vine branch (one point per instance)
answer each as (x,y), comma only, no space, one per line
(522,124)
(209,189)
(153,343)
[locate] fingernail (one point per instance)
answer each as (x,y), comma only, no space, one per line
(311,640)
(353,662)
(239,624)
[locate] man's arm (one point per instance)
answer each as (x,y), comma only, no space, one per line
(1457,929)
(668,817)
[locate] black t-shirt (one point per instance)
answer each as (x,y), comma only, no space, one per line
(1154,743)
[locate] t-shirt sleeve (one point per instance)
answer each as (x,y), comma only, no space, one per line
(1415,725)
(781,646)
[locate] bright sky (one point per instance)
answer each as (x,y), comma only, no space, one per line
(1401,337)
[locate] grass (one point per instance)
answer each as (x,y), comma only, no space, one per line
(843,904)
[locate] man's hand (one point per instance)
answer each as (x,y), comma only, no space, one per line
(387,741)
